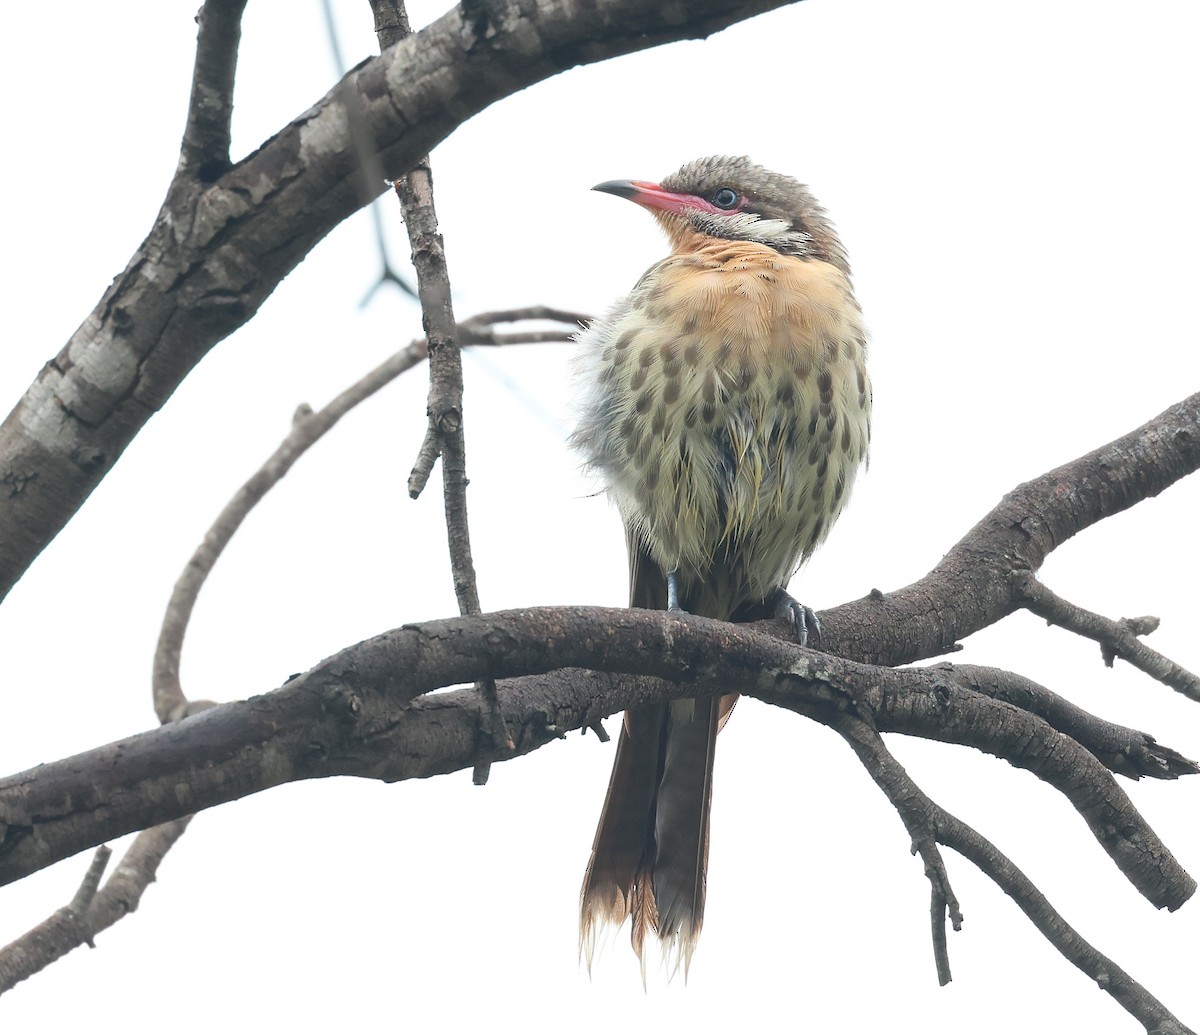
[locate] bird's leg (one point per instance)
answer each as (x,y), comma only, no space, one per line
(673,591)
(804,619)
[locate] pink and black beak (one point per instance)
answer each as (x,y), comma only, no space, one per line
(652,196)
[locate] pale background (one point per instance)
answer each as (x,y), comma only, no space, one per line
(1016,186)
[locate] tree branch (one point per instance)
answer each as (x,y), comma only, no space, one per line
(926,820)
(91,912)
(54,937)
(913,807)
(445,436)
(975,585)
(204,153)
(307,429)
(1120,749)
(356,714)
(1116,639)
(217,251)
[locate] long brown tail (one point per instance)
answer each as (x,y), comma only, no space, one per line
(650,854)
(651,849)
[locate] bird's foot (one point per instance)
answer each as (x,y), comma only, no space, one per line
(804,619)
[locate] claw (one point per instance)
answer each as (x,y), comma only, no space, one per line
(804,619)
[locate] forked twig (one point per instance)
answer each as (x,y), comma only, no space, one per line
(1116,639)
(928,822)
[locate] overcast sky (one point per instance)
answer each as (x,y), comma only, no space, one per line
(1016,186)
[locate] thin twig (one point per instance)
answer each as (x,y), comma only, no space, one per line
(58,934)
(597,728)
(372,169)
(205,149)
(530,312)
(1119,638)
(82,900)
(91,911)
(930,821)
(307,429)
(445,435)
(942,903)
(912,805)
(473,336)
(54,937)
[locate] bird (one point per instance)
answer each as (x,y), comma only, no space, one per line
(724,405)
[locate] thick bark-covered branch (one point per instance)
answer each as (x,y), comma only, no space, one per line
(218,249)
(350,716)
(979,581)
(1128,752)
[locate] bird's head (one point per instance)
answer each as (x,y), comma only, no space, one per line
(734,199)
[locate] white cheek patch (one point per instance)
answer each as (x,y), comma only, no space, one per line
(746,226)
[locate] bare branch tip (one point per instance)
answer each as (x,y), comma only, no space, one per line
(597,728)
(91,881)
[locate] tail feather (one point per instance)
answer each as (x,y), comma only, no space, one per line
(616,884)
(681,826)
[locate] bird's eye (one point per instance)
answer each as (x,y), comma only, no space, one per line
(726,197)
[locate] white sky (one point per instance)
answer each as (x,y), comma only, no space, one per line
(1016,188)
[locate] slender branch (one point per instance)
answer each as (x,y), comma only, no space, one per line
(307,429)
(529,312)
(1115,638)
(445,436)
(913,806)
(925,819)
(91,912)
(476,336)
(82,900)
(1155,1017)
(57,935)
(371,169)
(137,870)
(204,153)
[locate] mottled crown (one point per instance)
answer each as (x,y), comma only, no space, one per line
(779,211)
